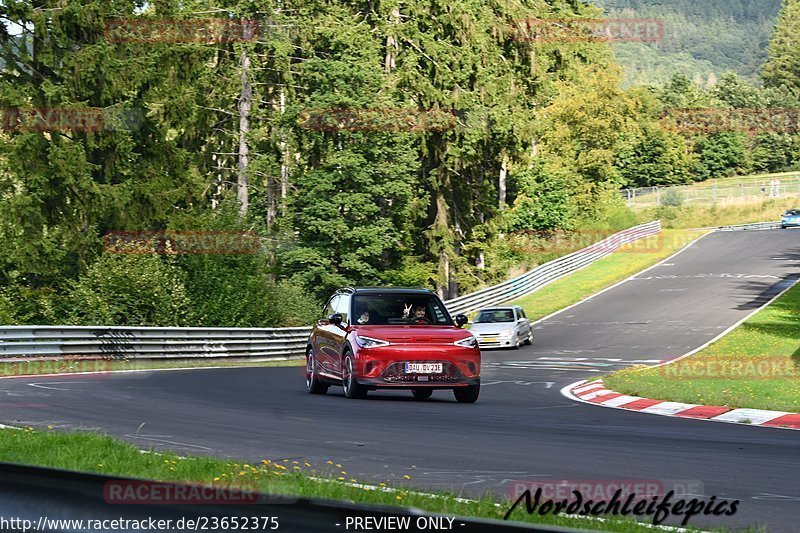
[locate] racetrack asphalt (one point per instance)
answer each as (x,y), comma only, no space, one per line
(521,428)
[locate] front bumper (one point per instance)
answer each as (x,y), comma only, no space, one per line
(385,366)
(494,341)
(790,223)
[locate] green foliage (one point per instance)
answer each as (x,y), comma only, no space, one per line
(656,157)
(129,289)
(783,65)
(544,201)
(720,155)
(671,198)
(701,39)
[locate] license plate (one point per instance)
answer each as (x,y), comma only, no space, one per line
(489,339)
(423,368)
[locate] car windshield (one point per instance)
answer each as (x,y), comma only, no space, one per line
(495,315)
(793,212)
(394,308)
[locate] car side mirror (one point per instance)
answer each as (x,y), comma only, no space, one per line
(336,319)
(461,320)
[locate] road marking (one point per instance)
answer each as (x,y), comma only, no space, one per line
(547,384)
(164,441)
(710,275)
(40,386)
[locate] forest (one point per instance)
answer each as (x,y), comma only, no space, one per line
(363,143)
(702,40)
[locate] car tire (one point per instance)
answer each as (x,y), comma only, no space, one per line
(516,344)
(314,385)
(783,227)
(529,340)
(468,394)
(352,389)
(422,394)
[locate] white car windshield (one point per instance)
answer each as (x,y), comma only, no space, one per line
(498,315)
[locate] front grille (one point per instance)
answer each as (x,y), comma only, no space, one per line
(395,373)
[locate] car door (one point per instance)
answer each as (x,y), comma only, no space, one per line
(338,334)
(525,324)
(324,345)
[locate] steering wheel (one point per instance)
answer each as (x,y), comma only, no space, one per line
(422,319)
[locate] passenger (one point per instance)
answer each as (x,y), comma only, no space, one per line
(415,315)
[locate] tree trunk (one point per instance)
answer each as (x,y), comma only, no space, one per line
(440,225)
(244,128)
(284,156)
(501,184)
(391,44)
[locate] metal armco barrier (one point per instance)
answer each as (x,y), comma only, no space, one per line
(750,227)
(119,342)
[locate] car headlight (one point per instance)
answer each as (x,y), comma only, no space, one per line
(469,342)
(506,332)
(369,342)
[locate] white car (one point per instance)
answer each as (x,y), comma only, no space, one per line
(502,327)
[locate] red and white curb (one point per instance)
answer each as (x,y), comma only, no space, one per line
(595,392)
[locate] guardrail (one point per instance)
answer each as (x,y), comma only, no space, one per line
(750,227)
(549,272)
(119,342)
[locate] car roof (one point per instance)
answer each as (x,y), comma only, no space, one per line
(373,290)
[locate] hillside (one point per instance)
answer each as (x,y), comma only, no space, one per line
(701,39)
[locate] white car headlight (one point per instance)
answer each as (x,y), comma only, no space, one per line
(469,342)
(506,332)
(369,342)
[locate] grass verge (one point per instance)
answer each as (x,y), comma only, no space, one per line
(703,216)
(605,272)
(757,365)
(76,365)
(90,452)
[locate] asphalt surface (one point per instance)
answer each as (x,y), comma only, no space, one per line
(521,429)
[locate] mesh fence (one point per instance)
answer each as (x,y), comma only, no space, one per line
(713,192)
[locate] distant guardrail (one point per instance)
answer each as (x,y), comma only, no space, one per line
(549,272)
(750,227)
(121,342)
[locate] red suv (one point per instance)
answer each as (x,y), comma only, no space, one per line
(371,338)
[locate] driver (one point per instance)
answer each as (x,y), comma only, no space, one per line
(364,318)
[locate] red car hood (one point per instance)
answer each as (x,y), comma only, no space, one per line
(414,334)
